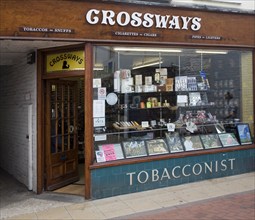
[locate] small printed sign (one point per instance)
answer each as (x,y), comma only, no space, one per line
(100,137)
(47,30)
(101,93)
(135,34)
(97,82)
(170,127)
(205,37)
(99,122)
(100,156)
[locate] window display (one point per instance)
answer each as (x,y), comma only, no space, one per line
(192,143)
(134,149)
(157,146)
(244,134)
(198,92)
(111,152)
(174,142)
(210,141)
(228,139)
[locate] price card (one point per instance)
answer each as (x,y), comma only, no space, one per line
(145,124)
(101,137)
(170,126)
(99,122)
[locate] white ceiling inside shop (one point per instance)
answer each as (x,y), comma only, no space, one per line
(12,50)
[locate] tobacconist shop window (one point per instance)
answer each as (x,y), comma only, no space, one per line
(153,101)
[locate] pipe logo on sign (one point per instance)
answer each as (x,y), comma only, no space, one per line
(65,61)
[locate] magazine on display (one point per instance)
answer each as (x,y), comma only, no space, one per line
(157,146)
(134,149)
(228,139)
(210,141)
(244,134)
(174,142)
(192,143)
(111,151)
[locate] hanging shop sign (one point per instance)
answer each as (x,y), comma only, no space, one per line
(146,20)
(65,61)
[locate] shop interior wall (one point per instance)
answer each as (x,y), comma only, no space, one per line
(17,92)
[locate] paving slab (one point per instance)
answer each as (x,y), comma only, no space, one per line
(222,198)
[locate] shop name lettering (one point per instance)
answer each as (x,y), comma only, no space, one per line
(61,57)
(197,169)
(146,20)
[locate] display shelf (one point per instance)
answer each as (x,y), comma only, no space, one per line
(172,108)
(188,141)
(146,93)
(130,131)
(197,106)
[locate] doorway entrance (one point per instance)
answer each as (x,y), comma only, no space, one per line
(64,134)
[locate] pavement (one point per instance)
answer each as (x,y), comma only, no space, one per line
(222,198)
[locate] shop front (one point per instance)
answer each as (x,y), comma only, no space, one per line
(150,97)
(168,116)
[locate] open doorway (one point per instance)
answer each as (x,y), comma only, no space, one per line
(64,136)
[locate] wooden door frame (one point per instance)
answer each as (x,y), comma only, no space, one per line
(88,118)
(71,153)
(88,108)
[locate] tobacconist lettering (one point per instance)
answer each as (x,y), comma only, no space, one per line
(197,169)
(147,20)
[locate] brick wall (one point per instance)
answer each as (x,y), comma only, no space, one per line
(17,92)
(247,90)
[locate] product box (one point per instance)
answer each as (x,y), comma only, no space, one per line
(192,83)
(182,100)
(169,88)
(149,88)
(163,75)
(138,80)
(181,83)
(161,88)
(169,81)
(127,85)
(116,81)
(138,88)
(194,98)
(127,82)
(127,89)
(148,80)
(125,73)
